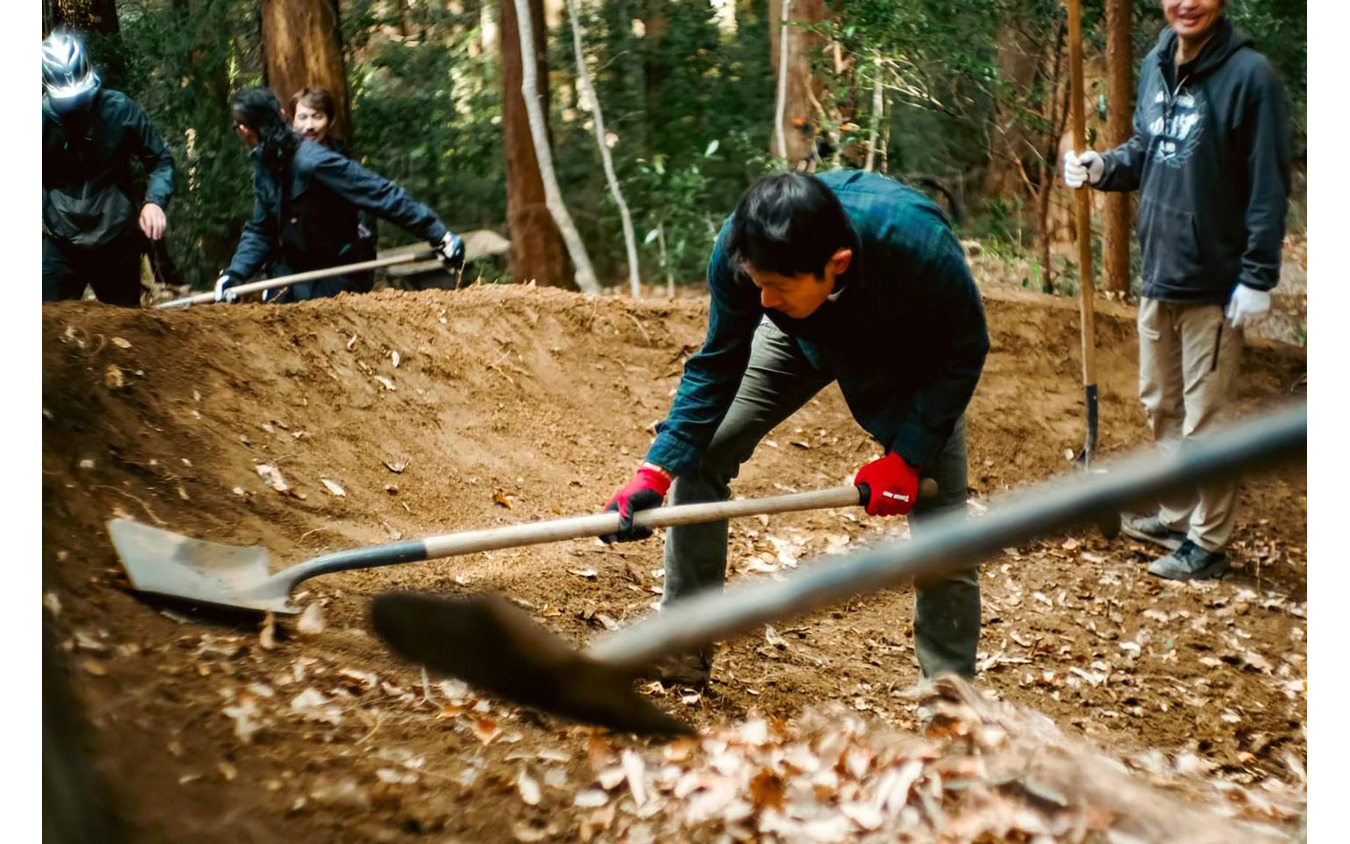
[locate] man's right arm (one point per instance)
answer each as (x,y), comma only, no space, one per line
(255,244)
(376,194)
(712,376)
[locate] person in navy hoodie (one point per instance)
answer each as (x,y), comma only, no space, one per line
(850,277)
(308,201)
(1210,159)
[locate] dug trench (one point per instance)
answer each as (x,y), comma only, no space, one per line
(344,423)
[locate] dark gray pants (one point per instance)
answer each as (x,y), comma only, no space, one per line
(778,381)
(114,271)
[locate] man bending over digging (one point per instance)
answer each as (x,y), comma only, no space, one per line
(849,276)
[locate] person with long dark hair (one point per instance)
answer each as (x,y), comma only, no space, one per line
(308,200)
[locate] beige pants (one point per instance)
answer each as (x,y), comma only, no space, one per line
(1188,365)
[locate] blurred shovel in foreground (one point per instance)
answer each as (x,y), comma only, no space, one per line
(491,644)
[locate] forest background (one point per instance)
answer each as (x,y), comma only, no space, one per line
(965,99)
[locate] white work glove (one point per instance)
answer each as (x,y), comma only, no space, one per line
(1246,305)
(1087,167)
(450,251)
(223,291)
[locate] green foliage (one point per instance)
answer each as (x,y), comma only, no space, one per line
(426,109)
(1003,223)
(690,115)
(688,105)
(180,61)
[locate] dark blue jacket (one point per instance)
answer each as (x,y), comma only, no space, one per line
(97,157)
(906,336)
(327,189)
(1210,158)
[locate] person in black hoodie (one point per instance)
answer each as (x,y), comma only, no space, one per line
(308,199)
(1210,158)
(89,213)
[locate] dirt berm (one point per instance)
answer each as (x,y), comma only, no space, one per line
(397,415)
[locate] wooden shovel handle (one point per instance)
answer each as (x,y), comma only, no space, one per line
(601,524)
(296,278)
(578,527)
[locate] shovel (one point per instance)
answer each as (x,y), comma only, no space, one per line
(478,243)
(1107,523)
(494,646)
(168,564)
(295,278)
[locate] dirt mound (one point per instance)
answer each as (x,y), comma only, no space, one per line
(397,415)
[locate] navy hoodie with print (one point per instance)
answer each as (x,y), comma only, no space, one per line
(1210,158)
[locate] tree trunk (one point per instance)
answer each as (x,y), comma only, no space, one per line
(536,245)
(1058,119)
(796,117)
(302,42)
(82,15)
(655,71)
(592,102)
(536,113)
(878,113)
(1119,108)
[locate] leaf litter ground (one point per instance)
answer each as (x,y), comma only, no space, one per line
(437,412)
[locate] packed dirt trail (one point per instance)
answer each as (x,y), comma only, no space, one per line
(397,415)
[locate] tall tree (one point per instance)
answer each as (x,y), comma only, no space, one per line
(797,117)
(302,41)
(536,244)
(536,111)
(655,71)
(1028,122)
(1119,108)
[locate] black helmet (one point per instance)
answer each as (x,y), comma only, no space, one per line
(67,76)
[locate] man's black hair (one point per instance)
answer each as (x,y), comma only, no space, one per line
(259,110)
(790,224)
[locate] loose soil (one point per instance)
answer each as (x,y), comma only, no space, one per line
(436,412)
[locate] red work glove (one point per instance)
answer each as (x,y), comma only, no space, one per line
(891,486)
(646,489)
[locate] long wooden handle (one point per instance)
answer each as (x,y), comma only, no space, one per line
(577,527)
(600,524)
(1083,196)
(950,542)
(295,278)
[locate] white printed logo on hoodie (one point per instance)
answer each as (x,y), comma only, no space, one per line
(1176,128)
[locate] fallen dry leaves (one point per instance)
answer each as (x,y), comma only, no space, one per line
(983,771)
(273,478)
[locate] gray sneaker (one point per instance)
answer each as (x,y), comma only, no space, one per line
(1190,562)
(1151,529)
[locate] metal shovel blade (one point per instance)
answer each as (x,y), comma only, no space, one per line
(491,644)
(164,563)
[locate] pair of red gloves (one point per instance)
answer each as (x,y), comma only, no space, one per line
(889,486)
